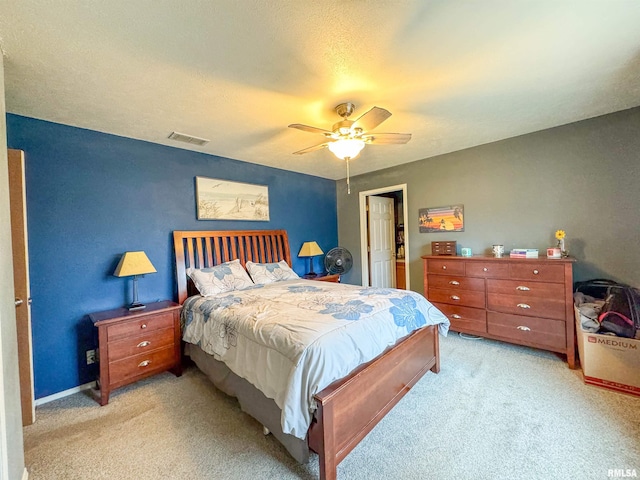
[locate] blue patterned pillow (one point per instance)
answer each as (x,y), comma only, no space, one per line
(263,273)
(222,278)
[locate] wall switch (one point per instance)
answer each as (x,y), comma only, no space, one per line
(91,357)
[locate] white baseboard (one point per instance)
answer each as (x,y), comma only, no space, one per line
(25,474)
(65,393)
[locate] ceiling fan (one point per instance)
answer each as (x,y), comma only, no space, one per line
(348,137)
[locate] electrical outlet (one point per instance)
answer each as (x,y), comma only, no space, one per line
(91,357)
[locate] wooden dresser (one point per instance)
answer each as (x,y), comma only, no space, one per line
(517,300)
(136,344)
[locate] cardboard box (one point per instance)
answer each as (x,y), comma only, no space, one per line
(608,361)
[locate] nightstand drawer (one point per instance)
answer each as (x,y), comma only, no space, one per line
(143,364)
(140,325)
(140,344)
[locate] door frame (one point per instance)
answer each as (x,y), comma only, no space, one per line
(364,244)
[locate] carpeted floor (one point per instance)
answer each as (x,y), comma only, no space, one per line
(495,411)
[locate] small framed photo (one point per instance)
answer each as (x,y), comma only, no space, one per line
(441,219)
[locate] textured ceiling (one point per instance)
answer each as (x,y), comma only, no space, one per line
(454,73)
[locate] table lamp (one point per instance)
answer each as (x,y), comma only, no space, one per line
(134,264)
(310,249)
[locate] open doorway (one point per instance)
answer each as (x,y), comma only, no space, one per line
(378,267)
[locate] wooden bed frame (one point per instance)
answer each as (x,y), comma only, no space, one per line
(349,408)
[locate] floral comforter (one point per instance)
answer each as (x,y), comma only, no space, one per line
(293,338)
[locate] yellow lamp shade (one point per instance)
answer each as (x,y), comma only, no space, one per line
(310,249)
(134,263)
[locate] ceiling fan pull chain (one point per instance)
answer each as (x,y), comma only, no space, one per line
(348,185)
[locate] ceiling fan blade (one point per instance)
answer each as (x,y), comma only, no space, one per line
(371,119)
(387,138)
(307,128)
(311,149)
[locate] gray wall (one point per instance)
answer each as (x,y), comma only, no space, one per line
(11,450)
(583,178)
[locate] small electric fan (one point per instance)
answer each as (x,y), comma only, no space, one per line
(338,260)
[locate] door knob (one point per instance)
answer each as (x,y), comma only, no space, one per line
(19,302)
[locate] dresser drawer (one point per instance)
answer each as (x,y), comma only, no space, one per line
(457,297)
(526,289)
(537,272)
(143,364)
(456,283)
(487,269)
(527,305)
(538,332)
(140,344)
(140,325)
(446,267)
(464,319)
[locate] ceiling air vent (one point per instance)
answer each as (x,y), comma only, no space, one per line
(181,137)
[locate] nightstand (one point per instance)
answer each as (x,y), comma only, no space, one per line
(137,344)
(325,277)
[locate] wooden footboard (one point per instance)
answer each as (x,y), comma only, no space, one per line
(349,408)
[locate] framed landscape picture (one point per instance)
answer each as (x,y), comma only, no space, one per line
(441,219)
(224,200)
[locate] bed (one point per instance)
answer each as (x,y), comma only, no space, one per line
(346,409)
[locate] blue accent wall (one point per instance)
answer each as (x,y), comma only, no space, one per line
(92,196)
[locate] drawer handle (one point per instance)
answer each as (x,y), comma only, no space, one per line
(485,269)
(454,282)
(535,272)
(144,325)
(144,363)
(454,297)
(456,316)
(522,289)
(146,343)
(523,305)
(522,327)
(444,267)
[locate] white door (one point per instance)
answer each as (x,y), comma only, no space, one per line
(17,202)
(382,247)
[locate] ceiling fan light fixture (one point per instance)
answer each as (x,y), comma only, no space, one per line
(346,148)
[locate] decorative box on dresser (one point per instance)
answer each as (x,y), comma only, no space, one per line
(133,345)
(528,301)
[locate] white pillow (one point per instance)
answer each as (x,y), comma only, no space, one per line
(222,278)
(263,273)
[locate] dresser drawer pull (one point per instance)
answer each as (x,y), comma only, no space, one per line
(522,289)
(144,325)
(146,343)
(454,297)
(522,327)
(144,363)
(535,272)
(523,305)
(485,269)
(444,267)
(456,316)
(454,282)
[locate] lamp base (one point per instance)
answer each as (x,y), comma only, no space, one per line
(136,306)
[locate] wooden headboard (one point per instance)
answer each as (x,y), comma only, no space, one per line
(208,248)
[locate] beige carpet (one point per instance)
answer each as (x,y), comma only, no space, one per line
(495,411)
